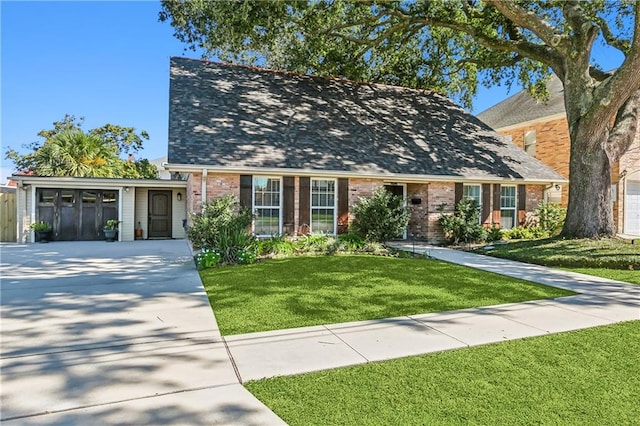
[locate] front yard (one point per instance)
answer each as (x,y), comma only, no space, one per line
(584,377)
(608,258)
(304,291)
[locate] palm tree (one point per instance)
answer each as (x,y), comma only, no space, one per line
(75,153)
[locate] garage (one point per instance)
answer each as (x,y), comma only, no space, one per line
(76,214)
(632,208)
(78,208)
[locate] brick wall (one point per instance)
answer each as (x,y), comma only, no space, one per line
(423,224)
(629,165)
(221,185)
(194,194)
(552,146)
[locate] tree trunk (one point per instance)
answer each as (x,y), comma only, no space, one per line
(589,213)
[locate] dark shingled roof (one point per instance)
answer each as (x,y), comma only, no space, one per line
(521,107)
(237,117)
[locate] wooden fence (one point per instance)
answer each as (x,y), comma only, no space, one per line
(8,217)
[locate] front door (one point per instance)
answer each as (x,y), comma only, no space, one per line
(160,214)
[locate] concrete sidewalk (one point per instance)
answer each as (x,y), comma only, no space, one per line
(301,350)
(114,333)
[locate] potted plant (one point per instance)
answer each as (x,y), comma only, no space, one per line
(42,230)
(110,229)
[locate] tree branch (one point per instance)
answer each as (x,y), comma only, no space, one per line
(613,41)
(532,22)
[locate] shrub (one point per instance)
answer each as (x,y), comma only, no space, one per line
(222,227)
(351,242)
(494,233)
(381,217)
(316,244)
(207,259)
(523,233)
(278,245)
(463,226)
(551,217)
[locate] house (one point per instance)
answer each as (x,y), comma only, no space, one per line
(300,151)
(77,208)
(541,129)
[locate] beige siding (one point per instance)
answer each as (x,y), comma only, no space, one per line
(127,215)
(178,213)
(142,210)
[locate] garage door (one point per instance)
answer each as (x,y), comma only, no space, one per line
(77,214)
(632,208)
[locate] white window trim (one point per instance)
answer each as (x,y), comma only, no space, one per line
(335,204)
(254,207)
(514,208)
(479,186)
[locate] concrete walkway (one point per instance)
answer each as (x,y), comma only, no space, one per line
(301,350)
(122,333)
(114,333)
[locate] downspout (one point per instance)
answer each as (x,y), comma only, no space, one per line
(203,187)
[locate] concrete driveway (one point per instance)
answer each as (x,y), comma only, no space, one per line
(114,333)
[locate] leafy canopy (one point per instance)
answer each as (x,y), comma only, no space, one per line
(68,151)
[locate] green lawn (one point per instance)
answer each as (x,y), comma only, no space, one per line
(608,258)
(304,291)
(587,377)
(581,253)
(632,277)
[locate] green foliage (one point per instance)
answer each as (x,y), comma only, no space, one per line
(276,246)
(69,151)
(223,227)
(40,226)
(351,242)
(111,224)
(551,217)
(524,233)
(463,226)
(381,217)
(207,258)
(494,233)
(318,244)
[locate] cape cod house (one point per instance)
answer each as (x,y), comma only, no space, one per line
(300,151)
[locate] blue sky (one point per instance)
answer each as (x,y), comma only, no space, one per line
(105,61)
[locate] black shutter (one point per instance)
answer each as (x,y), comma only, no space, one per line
(486,203)
(343,205)
(288,196)
(496,204)
(246,187)
(458,193)
(522,203)
(305,205)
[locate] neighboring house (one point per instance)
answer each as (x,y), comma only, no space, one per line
(77,208)
(300,151)
(541,129)
(159,163)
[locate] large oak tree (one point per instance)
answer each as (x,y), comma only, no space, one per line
(452,46)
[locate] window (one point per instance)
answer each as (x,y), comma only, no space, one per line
(475,193)
(530,142)
(266,206)
(507,207)
(323,206)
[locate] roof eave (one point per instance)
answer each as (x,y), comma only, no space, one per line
(405,178)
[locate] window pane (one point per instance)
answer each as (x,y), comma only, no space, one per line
(507,196)
(267,222)
(108,197)
(47,196)
(322,220)
(89,197)
(507,219)
(67,196)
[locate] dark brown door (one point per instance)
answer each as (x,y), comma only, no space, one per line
(159,214)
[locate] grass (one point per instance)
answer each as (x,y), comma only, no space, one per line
(632,277)
(587,377)
(608,258)
(304,291)
(610,253)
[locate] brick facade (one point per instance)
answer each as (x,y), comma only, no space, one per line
(423,199)
(553,148)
